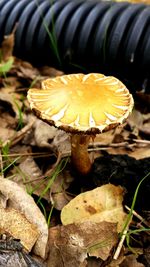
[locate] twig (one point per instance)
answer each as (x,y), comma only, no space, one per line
(120,244)
(1,165)
(138,216)
(19,135)
(35,180)
(100,144)
(34,154)
(49,172)
(139,141)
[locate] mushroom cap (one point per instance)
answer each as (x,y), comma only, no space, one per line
(81,103)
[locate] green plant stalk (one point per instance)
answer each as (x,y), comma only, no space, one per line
(5,152)
(43,208)
(34,81)
(52,35)
(130,232)
(133,203)
(20,122)
(12,163)
(49,216)
(58,169)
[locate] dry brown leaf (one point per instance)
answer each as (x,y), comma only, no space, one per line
(50,72)
(135,120)
(71,244)
(32,176)
(58,194)
(50,137)
(44,134)
(117,262)
(7,46)
(62,181)
(59,200)
(13,101)
(29,167)
(92,262)
(21,201)
(101,204)
(131,261)
(106,138)
(137,152)
(141,153)
(14,223)
(11,84)
(139,121)
(25,70)
(61,143)
(7,120)
(6,134)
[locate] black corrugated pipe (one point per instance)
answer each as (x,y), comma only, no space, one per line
(82,35)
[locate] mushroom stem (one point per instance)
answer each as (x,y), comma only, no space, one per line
(79,153)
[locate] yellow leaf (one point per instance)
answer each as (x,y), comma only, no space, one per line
(101,204)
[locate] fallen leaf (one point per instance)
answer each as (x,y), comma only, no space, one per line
(61,143)
(106,138)
(131,261)
(11,85)
(93,262)
(70,245)
(118,261)
(7,120)
(59,200)
(141,153)
(50,72)
(32,177)
(29,167)
(14,223)
(7,46)
(12,101)
(25,70)
(51,137)
(139,121)
(101,204)
(6,134)
(137,152)
(44,134)
(58,194)
(135,120)
(21,201)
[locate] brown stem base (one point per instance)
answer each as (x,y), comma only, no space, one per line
(79,153)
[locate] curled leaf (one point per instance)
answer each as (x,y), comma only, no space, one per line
(21,201)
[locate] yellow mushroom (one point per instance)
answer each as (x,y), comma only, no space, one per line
(82,105)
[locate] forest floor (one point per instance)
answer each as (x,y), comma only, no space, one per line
(106,219)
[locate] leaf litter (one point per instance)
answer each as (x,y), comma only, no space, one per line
(39,188)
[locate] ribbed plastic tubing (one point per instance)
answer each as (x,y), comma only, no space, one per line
(82,36)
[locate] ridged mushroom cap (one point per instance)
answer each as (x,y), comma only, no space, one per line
(89,103)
